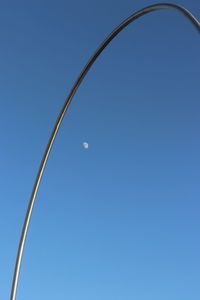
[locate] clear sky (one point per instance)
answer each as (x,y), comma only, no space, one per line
(119,220)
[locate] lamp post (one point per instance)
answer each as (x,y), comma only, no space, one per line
(58,123)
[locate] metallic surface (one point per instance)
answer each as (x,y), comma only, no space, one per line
(117,30)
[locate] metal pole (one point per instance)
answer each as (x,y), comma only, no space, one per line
(58,123)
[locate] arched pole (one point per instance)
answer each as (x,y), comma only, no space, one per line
(85,70)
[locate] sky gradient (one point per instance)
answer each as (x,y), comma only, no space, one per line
(119,220)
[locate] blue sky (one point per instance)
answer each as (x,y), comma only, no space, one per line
(119,220)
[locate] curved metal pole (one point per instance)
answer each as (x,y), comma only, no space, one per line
(85,70)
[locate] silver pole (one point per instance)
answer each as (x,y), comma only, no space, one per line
(58,123)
